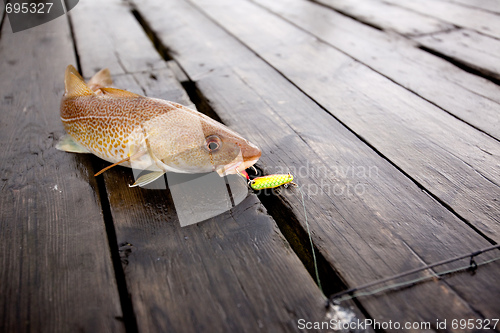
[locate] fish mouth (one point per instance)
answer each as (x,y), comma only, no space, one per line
(247,164)
(237,166)
(251,155)
(228,169)
(248,156)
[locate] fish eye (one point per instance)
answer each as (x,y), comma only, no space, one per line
(213,143)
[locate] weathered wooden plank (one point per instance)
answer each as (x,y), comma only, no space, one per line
(475,19)
(489,5)
(470,98)
(455,162)
(239,262)
(2,12)
(56,274)
(231,273)
(388,17)
(234,272)
(106,45)
(477,51)
(389,227)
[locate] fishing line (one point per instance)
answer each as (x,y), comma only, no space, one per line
(273,181)
(473,265)
(410,282)
(310,240)
(276,181)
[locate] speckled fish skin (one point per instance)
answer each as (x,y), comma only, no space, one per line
(157,134)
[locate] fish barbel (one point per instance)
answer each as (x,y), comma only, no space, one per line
(147,133)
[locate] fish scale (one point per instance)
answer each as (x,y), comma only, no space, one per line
(105,125)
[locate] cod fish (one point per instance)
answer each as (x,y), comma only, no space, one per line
(146,133)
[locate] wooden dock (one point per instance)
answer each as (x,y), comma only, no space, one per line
(386,112)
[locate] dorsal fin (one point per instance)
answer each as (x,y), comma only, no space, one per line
(101,79)
(74,84)
(113,92)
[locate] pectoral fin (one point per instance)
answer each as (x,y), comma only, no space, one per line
(129,158)
(68,144)
(148,178)
(112,165)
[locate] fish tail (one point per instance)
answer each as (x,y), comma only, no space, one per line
(101,79)
(74,85)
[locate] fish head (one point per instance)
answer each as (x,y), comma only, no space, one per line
(190,142)
(229,152)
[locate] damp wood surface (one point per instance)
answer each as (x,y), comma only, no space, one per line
(454,13)
(387,16)
(411,225)
(234,272)
(487,5)
(473,49)
(471,98)
(117,42)
(230,77)
(56,273)
(2,14)
(384,111)
(442,153)
(463,39)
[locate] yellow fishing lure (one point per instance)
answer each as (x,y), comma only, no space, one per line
(272,181)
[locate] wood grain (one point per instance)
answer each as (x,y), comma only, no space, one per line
(474,19)
(467,96)
(473,49)
(56,274)
(2,12)
(488,5)
(116,41)
(452,160)
(390,227)
(234,272)
(387,16)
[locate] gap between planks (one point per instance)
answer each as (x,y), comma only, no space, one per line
(456,160)
(382,16)
(206,85)
(293,232)
(53,236)
(128,316)
(408,67)
(110,181)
